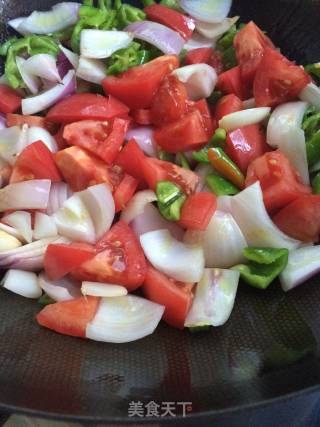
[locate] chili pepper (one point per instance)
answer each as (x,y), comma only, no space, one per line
(225,166)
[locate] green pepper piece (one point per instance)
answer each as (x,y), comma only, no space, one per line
(167,192)
(127,14)
(264,265)
(182,56)
(172,212)
(311,122)
(172,4)
(6,45)
(46,300)
(63,35)
(225,166)
(226,41)
(183,161)
(218,140)
(87,2)
(314,71)
(214,97)
(229,58)
(147,2)
(316,184)
(105,4)
(167,157)
(220,186)
(313,149)
(126,58)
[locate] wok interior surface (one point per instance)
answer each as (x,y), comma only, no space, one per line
(268,349)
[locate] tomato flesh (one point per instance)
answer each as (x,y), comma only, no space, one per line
(69,317)
(130,159)
(230,82)
(10,99)
(124,192)
(197,211)
(175,296)
(226,105)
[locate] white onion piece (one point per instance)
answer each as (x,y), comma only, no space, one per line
(137,204)
(198,41)
(101,44)
(21,221)
(44,226)
(99,203)
(284,132)
(249,103)
(311,94)
(72,57)
(46,99)
(199,80)
(124,319)
(42,65)
(64,289)
(10,230)
(223,241)
(8,241)
(180,261)
(59,17)
(303,263)
(12,141)
(35,133)
(251,116)
(165,39)
(91,70)
(250,214)
(207,10)
(28,257)
(152,220)
(24,283)
(73,221)
(224,203)
(33,194)
(143,135)
(215,30)
(214,298)
(15,23)
(202,170)
(31,81)
(58,195)
(97,289)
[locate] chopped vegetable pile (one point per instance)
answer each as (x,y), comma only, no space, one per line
(169,149)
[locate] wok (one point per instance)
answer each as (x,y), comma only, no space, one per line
(267,352)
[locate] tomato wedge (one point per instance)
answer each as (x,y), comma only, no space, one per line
(226,105)
(170,103)
(104,139)
(86,106)
(141,116)
(245,145)
(277,80)
(61,259)
(280,183)
(19,120)
(10,99)
(250,43)
(182,24)
(197,211)
(175,296)
(69,317)
(203,107)
(300,219)
(155,170)
(120,259)
(230,82)
(130,159)
(188,133)
(125,191)
(137,86)
(35,162)
(80,169)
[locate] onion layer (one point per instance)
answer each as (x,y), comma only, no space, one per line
(64,289)
(199,79)
(124,319)
(211,11)
(105,290)
(101,44)
(311,94)
(24,283)
(21,221)
(30,80)
(44,226)
(251,116)
(143,136)
(137,204)
(91,70)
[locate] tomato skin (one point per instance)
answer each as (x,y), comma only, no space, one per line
(120,259)
(58,136)
(130,159)
(80,169)
(10,99)
(203,107)
(250,43)
(125,191)
(201,55)
(142,116)
(170,103)
(86,106)
(216,61)
(230,82)
(137,86)
(197,211)
(155,170)
(69,317)
(61,259)
(35,162)
(300,219)
(246,144)
(186,134)
(226,105)
(277,80)
(103,139)
(182,24)
(278,179)
(175,296)
(19,120)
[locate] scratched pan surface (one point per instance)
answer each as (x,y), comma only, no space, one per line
(268,350)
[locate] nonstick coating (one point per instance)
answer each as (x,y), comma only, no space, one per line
(269,348)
